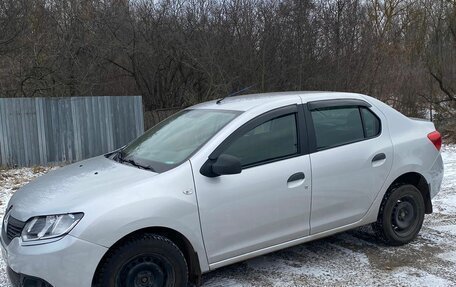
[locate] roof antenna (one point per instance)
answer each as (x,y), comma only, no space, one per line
(219,101)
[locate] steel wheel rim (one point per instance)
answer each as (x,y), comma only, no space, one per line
(145,271)
(404,217)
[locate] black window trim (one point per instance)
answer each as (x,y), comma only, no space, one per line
(315,105)
(363,124)
(301,129)
(338,103)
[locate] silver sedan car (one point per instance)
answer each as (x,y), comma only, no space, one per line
(221,182)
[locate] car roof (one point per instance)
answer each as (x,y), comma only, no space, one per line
(247,102)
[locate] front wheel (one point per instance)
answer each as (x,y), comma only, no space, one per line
(146,261)
(401,215)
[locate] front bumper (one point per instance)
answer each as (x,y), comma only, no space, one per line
(68,262)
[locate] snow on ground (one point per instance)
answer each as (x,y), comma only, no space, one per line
(352,258)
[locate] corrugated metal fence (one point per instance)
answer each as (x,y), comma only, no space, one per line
(39,131)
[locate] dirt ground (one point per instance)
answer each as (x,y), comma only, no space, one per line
(352,258)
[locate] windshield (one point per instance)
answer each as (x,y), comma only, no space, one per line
(175,139)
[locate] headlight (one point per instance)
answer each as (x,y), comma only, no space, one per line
(51,226)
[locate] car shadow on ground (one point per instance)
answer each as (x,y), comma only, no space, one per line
(355,257)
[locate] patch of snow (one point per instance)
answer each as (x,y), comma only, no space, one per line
(450,229)
(415,277)
(448,256)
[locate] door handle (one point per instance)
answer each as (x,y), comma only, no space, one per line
(379,157)
(295,177)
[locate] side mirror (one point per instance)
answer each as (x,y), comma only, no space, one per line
(224,164)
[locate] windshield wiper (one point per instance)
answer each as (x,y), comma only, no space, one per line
(118,156)
(132,162)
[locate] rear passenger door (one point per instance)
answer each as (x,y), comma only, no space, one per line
(351,156)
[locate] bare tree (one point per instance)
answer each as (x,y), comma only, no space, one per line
(178,52)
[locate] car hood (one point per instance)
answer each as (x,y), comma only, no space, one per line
(66,189)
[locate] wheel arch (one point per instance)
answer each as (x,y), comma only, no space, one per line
(419,181)
(190,254)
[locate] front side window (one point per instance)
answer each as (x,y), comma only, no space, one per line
(274,139)
(175,139)
(337,126)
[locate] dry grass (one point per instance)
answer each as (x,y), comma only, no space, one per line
(38,169)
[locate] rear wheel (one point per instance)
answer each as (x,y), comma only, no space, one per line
(401,215)
(146,261)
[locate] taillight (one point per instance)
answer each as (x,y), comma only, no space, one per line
(436,139)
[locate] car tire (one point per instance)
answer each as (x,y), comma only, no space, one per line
(146,260)
(401,215)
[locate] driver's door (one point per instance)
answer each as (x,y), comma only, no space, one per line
(268,203)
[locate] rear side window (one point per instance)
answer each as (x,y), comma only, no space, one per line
(371,123)
(271,140)
(337,126)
